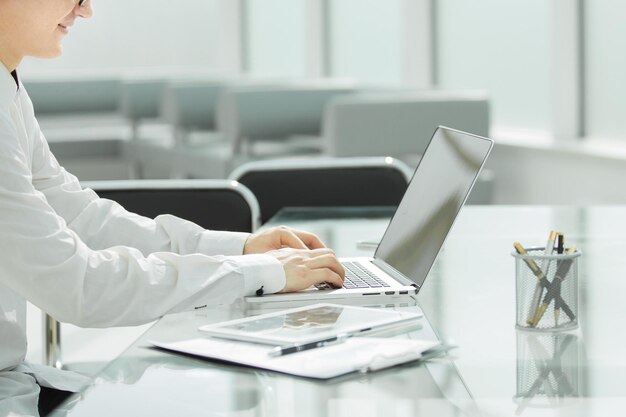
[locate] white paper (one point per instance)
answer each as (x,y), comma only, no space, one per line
(355,354)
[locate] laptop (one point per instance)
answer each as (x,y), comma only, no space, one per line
(418,229)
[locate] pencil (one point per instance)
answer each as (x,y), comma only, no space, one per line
(536,301)
(560,275)
(557,301)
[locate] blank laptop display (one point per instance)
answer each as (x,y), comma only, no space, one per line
(439,187)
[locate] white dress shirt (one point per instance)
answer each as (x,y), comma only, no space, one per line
(87,261)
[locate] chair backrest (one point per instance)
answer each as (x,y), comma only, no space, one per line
(141,98)
(75,96)
(254,113)
(212,204)
(192,104)
(399,123)
(324,182)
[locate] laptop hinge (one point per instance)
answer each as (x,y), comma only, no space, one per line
(394,273)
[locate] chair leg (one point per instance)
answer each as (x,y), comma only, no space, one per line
(52,342)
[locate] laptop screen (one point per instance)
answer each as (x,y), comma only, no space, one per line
(434,197)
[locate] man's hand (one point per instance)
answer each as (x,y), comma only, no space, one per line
(304,268)
(279,238)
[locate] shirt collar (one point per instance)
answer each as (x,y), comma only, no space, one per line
(8,89)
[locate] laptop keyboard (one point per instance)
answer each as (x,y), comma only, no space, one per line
(357,276)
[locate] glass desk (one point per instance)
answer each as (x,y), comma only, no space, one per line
(468,298)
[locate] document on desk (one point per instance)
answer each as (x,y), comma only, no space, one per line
(357,354)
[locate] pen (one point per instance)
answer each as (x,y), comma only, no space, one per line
(287,350)
(536,301)
(557,302)
(560,241)
(531,264)
(555,287)
(541,278)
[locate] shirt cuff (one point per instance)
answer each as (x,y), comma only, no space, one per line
(214,243)
(261,271)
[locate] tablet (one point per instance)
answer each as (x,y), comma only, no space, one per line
(309,324)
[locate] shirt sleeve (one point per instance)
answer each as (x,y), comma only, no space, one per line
(102,223)
(45,260)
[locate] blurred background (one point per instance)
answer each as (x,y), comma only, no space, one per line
(195,88)
(551,69)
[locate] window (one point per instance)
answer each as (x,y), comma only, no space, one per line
(367,40)
(605,65)
(503,48)
(277,38)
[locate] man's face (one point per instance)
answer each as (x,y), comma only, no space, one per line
(37,27)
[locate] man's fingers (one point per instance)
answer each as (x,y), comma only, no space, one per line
(309,239)
(328,260)
(306,267)
(318,276)
(291,240)
(279,238)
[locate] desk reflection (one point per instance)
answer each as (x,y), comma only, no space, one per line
(146,381)
(548,367)
(198,387)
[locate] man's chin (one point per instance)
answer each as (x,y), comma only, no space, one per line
(49,53)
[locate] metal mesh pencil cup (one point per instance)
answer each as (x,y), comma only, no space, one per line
(546,288)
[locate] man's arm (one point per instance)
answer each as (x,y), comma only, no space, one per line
(46,262)
(103,223)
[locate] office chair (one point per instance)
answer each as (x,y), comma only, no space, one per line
(212,204)
(399,124)
(324,182)
(140,100)
(252,120)
(187,108)
(252,114)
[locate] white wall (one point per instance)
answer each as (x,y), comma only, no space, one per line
(139,36)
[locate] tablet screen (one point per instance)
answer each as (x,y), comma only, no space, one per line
(309,323)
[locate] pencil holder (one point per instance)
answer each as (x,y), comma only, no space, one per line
(546,290)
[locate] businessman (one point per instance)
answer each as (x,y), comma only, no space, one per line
(87,261)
